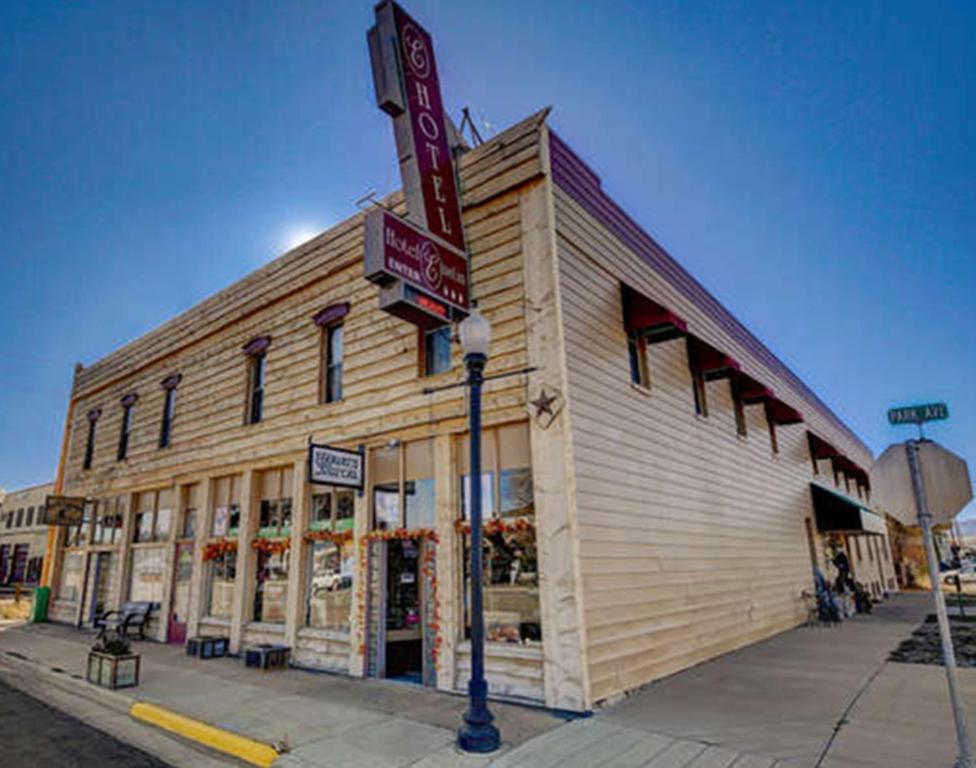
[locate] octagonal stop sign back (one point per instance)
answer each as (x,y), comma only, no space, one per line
(947,485)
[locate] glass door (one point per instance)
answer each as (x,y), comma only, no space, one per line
(404,621)
(180,604)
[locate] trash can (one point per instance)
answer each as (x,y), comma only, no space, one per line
(39,608)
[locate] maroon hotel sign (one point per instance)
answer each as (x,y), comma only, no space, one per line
(397,250)
(407,88)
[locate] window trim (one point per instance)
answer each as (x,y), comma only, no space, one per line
(256,374)
(741,424)
(169,385)
(327,364)
(256,353)
(125,429)
(93,416)
(425,349)
(638,359)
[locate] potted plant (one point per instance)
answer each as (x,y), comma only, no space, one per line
(111,664)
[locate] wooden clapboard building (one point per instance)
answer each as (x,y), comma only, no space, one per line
(647,486)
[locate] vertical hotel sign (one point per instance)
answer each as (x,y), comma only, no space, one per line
(408,89)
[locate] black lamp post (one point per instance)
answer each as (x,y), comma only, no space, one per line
(477,734)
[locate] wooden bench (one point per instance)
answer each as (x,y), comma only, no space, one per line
(134,615)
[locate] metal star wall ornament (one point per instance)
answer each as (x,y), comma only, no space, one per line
(547,406)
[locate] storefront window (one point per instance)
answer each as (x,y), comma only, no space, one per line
(333,510)
(226,505)
(78,535)
(109,514)
(275,512)
(331,560)
(330,573)
(71,577)
(410,504)
(154,515)
(511,572)
(222,572)
(418,488)
(272,586)
(386,487)
(146,578)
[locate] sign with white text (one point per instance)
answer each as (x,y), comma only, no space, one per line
(397,250)
(335,466)
(918,414)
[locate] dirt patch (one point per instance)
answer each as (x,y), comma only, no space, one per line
(10,609)
(925,647)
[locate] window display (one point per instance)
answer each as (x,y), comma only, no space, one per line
(274,518)
(511,571)
(226,505)
(222,572)
(272,585)
(331,565)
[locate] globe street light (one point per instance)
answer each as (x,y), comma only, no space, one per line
(477,734)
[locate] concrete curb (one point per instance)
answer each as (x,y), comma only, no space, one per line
(241,747)
(218,739)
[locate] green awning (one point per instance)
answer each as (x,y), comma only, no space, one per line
(837,513)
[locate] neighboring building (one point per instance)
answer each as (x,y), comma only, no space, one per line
(23,537)
(649,483)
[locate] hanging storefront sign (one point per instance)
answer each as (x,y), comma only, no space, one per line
(335,466)
(408,89)
(397,250)
(63,510)
(415,307)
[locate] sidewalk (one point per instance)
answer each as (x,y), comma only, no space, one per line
(318,718)
(775,703)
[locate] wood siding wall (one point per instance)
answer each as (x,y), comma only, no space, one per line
(692,539)
(382,390)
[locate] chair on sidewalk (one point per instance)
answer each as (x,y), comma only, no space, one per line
(134,615)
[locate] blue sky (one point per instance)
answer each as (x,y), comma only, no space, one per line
(811,163)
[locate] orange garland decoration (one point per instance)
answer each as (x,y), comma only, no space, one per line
(341,537)
(400,534)
(215,549)
(271,546)
(496,525)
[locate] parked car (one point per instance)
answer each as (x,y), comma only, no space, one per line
(966,574)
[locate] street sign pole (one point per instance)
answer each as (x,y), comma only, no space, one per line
(965,758)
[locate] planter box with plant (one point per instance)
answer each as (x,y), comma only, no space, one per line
(110,662)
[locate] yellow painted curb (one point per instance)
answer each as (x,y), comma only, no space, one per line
(249,750)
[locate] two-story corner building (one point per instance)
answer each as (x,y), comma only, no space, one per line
(656,490)
(23,534)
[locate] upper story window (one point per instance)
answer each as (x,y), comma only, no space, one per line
(30,516)
(10,519)
(707,363)
(20,518)
(435,349)
(256,351)
(646,323)
(169,405)
(90,440)
(637,351)
(332,351)
(128,403)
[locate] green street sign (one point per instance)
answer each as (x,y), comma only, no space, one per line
(918,414)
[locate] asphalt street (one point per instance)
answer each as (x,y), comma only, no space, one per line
(33,735)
